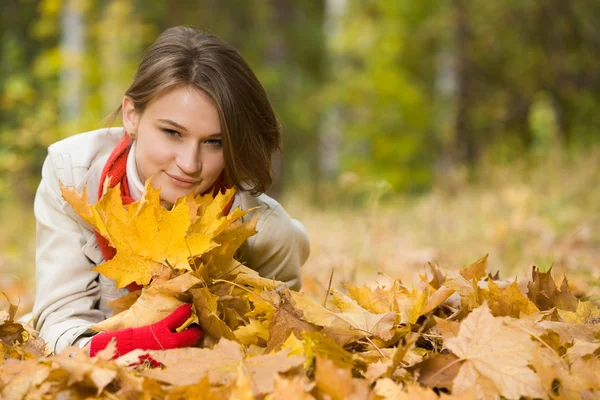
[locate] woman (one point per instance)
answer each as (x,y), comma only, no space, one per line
(195,119)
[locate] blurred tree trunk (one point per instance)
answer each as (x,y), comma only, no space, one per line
(315,68)
(72,51)
(118,58)
(466,149)
(276,55)
(330,138)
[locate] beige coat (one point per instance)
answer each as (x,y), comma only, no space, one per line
(70,297)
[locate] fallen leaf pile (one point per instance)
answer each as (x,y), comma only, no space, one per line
(463,334)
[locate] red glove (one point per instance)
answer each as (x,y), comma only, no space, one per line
(157,336)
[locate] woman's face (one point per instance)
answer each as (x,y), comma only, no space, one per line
(178,141)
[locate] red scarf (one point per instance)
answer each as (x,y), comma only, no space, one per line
(116,169)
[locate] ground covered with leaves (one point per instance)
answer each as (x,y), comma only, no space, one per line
(464,334)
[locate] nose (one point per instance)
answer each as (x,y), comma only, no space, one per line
(188,160)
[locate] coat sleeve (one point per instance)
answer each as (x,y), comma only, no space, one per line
(67,289)
(280,247)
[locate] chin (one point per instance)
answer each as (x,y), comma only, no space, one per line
(171,196)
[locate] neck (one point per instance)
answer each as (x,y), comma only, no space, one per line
(136,186)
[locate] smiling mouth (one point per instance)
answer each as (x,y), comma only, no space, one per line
(182,181)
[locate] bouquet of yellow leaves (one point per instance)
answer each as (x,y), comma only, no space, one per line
(175,254)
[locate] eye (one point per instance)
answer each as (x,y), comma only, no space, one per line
(171,132)
(214,142)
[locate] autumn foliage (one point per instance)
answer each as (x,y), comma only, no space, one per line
(463,334)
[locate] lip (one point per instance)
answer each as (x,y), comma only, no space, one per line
(183,182)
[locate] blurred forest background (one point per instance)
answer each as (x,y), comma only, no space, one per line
(414,131)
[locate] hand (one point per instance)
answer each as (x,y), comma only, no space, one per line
(158,336)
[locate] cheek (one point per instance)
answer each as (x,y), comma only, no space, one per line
(151,158)
(212,166)
(217,163)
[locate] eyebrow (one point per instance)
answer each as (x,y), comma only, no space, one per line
(182,128)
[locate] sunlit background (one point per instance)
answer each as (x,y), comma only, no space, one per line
(414,131)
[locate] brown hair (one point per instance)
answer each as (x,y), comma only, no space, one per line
(184,56)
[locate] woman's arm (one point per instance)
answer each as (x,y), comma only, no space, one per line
(67,289)
(279,248)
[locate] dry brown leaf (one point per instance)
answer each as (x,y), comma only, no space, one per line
(549,366)
(469,291)
(123,303)
(11,333)
(476,271)
(34,347)
(387,389)
(202,390)
(581,349)
(378,300)
(584,375)
(337,382)
(317,343)
(242,390)
(7,310)
(155,303)
(586,313)
(411,305)
(507,301)
(350,322)
(17,377)
(437,274)
(490,346)
(437,371)
(376,370)
(206,306)
(568,333)
(221,366)
(197,391)
(413,391)
(79,367)
(545,295)
(437,298)
(449,329)
(291,389)
(287,320)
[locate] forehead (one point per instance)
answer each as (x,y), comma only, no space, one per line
(187,106)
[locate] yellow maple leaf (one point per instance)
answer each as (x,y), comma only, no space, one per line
(508,301)
(586,313)
(476,271)
(208,217)
(376,300)
(294,345)
(220,259)
(411,305)
(147,237)
(251,332)
(317,343)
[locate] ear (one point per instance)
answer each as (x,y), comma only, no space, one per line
(131,117)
